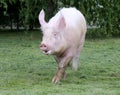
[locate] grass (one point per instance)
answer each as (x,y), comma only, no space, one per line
(24,70)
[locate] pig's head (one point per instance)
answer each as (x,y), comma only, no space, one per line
(53,41)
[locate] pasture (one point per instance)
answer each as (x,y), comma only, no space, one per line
(24,70)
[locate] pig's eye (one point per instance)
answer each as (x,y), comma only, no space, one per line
(54,34)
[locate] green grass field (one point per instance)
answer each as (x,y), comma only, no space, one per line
(24,70)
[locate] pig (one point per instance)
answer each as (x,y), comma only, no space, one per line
(63,37)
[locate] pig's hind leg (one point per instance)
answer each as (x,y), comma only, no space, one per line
(77,54)
(75,61)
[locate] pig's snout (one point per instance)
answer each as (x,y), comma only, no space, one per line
(44,48)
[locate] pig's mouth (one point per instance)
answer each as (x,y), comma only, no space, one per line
(47,52)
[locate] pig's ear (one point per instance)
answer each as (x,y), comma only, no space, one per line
(61,22)
(42,18)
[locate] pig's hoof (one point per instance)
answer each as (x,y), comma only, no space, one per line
(55,79)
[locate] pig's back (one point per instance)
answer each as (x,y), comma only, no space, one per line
(73,18)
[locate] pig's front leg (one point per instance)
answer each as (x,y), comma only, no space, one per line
(61,69)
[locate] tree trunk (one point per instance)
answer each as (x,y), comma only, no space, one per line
(11,23)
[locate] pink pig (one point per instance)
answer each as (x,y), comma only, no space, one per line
(63,37)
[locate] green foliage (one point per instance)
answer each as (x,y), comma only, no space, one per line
(3,8)
(3,5)
(24,70)
(104,14)
(29,12)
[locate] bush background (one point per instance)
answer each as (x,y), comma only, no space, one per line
(103,16)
